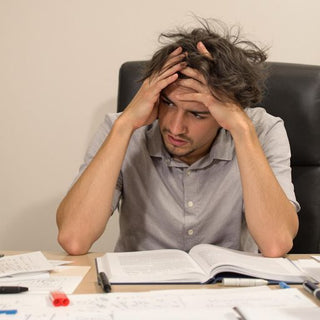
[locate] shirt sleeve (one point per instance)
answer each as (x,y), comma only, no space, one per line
(93,148)
(276,146)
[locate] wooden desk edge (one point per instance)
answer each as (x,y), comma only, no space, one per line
(90,285)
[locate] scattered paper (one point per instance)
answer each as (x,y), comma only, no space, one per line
(263,313)
(23,263)
(55,281)
(156,305)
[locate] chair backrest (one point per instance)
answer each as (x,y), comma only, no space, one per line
(293,93)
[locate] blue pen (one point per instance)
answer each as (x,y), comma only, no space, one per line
(12,311)
(283,285)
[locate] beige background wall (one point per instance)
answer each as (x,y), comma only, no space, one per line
(59,64)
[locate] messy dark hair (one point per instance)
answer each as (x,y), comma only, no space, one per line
(236,72)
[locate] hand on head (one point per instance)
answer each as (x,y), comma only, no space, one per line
(143,109)
(226,112)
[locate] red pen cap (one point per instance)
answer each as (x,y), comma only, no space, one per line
(59,298)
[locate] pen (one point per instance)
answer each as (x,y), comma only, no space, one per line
(12,289)
(312,288)
(243,282)
(104,282)
(11,311)
(1,255)
(283,285)
(239,313)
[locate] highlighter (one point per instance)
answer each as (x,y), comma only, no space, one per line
(59,298)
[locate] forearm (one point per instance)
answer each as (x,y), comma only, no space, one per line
(270,216)
(84,212)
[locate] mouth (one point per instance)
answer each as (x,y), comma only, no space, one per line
(176,141)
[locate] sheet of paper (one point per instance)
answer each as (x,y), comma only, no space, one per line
(57,280)
(316,258)
(25,276)
(310,267)
(293,313)
(218,314)
(22,263)
(151,305)
(56,263)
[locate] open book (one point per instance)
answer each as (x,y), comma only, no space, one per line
(204,263)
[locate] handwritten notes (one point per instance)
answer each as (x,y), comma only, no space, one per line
(23,263)
(174,304)
(32,270)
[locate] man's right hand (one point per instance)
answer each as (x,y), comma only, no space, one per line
(143,109)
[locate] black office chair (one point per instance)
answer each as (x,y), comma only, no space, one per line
(293,93)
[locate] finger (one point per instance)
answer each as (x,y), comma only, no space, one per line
(176,52)
(159,85)
(170,62)
(195,74)
(173,60)
(194,85)
(205,99)
(175,56)
(203,50)
(178,67)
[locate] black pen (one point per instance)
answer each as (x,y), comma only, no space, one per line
(1,255)
(312,288)
(104,282)
(12,289)
(239,313)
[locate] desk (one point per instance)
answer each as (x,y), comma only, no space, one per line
(89,283)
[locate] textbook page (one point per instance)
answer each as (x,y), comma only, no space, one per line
(214,259)
(150,267)
(310,266)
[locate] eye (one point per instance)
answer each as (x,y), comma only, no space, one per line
(167,102)
(197,115)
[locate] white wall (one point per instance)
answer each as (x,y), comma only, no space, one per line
(59,64)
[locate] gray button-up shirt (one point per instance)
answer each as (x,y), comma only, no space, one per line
(164,203)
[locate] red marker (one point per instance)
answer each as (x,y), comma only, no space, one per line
(59,299)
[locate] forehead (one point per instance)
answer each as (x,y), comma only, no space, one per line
(175,89)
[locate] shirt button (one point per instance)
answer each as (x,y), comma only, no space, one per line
(190,204)
(190,232)
(168,161)
(188,172)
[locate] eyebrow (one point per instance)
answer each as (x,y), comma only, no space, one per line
(163,96)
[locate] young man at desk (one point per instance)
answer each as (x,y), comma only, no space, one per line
(189,160)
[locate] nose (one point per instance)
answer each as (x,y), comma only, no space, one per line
(177,123)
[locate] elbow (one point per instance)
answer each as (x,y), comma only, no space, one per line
(72,245)
(70,240)
(276,251)
(280,244)
(277,248)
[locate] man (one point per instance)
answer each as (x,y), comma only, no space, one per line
(189,161)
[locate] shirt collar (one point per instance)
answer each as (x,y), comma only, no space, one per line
(221,149)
